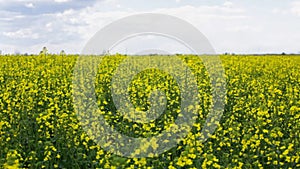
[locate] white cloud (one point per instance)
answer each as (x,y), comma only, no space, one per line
(228,4)
(21,33)
(22,1)
(62,1)
(210,18)
(279,11)
(111,3)
(29,5)
(49,26)
(295,8)
(245,28)
(32,2)
(205,10)
(10,16)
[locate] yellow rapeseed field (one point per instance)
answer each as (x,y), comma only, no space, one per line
(260,126)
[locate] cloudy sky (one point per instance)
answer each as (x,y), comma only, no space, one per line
(247,26)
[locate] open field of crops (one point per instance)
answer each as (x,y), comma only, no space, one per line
(260,126)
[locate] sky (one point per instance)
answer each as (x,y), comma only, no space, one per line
(232,26)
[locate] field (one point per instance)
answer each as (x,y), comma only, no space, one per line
(39,126)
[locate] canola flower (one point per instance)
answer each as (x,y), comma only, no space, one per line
(260,127)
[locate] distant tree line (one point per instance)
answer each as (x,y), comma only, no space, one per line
(43,52)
